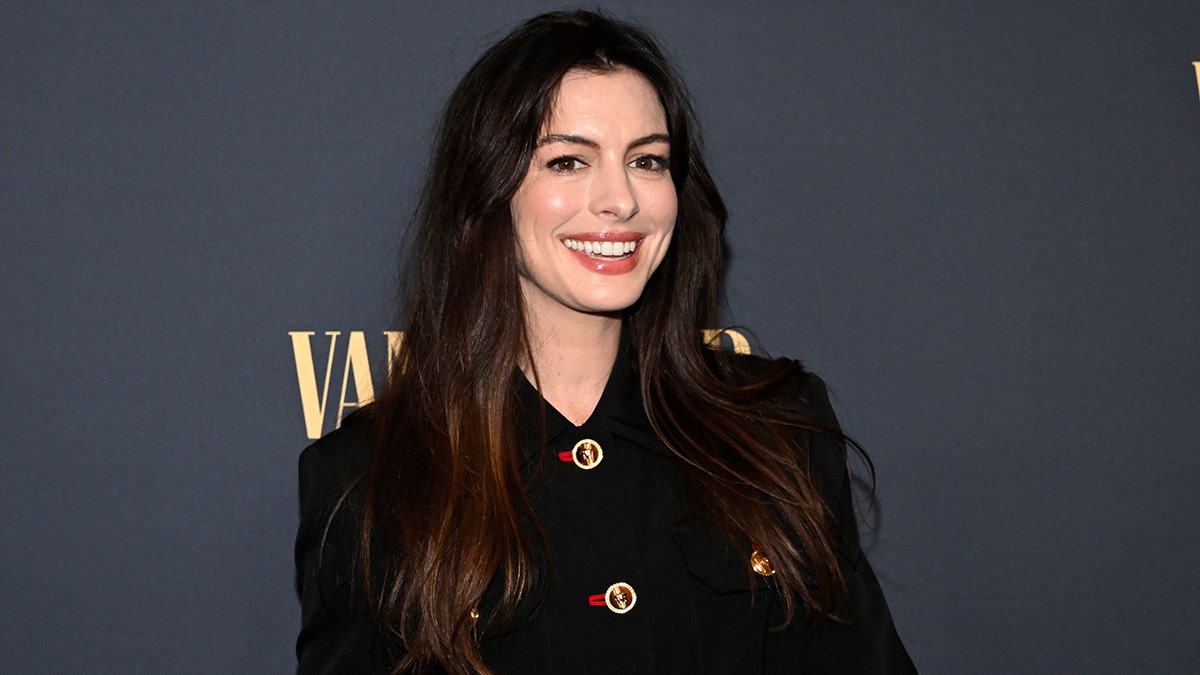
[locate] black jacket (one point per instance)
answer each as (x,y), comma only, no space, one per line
(687,599)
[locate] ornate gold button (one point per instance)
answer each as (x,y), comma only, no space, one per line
(760,563)
(587,454)
(620,597)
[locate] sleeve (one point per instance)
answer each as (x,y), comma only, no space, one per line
(337,632)
(868,642)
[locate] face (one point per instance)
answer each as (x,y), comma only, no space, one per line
(595,212)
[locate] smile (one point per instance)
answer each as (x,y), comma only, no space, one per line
(602,249)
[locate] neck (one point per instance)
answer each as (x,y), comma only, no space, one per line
(573,354)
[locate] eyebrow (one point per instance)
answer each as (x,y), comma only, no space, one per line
(583,140)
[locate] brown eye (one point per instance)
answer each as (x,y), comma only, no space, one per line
(564,164)
(651,163)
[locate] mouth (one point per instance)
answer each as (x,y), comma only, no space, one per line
(607,250)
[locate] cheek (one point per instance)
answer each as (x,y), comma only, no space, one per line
(664,211)
(665,208)
(539,209)
(661,200)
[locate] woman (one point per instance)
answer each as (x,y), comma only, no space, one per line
(561,476)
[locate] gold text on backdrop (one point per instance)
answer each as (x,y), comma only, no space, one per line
(314,395)
(313,401)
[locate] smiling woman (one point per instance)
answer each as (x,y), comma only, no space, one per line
(598,198)
(561,476)
(593,217)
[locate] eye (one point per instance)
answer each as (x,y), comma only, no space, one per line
(565,164)
(651,163)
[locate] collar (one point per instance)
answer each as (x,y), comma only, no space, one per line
(619,409)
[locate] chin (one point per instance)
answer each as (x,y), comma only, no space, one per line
(609,303)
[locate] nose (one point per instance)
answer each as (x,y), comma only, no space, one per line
(612,195)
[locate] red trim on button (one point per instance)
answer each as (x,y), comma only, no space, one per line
(597,600)
(566,456)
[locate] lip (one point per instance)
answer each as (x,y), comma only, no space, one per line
(608,267)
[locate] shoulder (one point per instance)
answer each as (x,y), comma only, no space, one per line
(781,382)
(333,463)
(787,388)
(344,450)
(331,473)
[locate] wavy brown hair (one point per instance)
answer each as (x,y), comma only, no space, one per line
(446,508)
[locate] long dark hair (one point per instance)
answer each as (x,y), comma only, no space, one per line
(446,507)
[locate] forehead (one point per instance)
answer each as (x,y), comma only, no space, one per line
(621,97)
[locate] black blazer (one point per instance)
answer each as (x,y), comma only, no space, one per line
(620,528)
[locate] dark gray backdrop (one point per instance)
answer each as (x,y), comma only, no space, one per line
(978,223)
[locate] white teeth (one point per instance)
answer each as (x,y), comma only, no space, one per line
(608,249)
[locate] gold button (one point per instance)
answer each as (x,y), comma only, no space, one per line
(760,563)
(587,454)
(620,597)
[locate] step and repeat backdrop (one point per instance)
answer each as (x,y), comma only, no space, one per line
(980,223)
